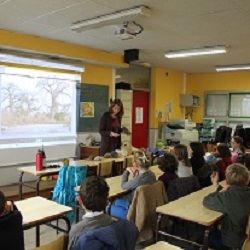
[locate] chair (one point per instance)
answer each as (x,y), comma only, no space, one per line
(105,168)
(180,187)
(143,208)
(61,243)
(64,191)
(246,245)
(120,235)
(129,161)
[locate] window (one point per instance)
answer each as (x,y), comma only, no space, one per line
(228,108)
(37,108)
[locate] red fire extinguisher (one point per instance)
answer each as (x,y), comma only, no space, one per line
(39,160)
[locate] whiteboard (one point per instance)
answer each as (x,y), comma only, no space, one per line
(239,105)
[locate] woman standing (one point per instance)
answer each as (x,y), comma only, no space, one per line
(110,127)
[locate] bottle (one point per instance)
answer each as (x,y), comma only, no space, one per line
(39,160)
(43,157)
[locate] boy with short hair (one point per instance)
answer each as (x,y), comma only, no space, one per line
(11,231)
(234,202)
(93,198)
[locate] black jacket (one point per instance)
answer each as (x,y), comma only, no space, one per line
(11,231)
(105,127)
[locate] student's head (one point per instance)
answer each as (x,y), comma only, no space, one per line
(223,150)
(237,142)
(247,161)
(168,163)
(141,160)
(181,153)
(237,174)
(197,149)
(116,107)
(2,202)
(94,193)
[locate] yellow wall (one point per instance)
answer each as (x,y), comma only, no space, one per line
(199,83)
(54,47)
(95,74)
(99,71)
(166,86)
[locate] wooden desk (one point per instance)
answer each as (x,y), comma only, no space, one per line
(37,211)
(162,245)
(115,183)
(39,174)
(190,208)
(45,172)
(115,189)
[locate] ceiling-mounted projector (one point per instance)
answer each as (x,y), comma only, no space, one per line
(125,33)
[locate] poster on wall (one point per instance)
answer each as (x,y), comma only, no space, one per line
(138,115)
(87,109)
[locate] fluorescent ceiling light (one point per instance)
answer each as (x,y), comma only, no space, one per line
(112,18)
(233,67)
(196,52)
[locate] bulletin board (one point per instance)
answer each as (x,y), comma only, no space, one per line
(92,103)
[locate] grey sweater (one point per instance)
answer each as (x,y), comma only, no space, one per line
(145,178)
(234,203)
(88,223)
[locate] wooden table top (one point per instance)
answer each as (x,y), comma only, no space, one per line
(162,245)
(37,209)
(115,183)
(190,208)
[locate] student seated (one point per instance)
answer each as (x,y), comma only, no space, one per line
(93,198)
(197,156)
(141,176)
(168,164)
(184,166)
(247,163)
(238,149)
(11,228)
(234,202)
(223,155)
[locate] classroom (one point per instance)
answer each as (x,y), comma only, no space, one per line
(102,90)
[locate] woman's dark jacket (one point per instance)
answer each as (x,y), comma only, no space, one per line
(105,127)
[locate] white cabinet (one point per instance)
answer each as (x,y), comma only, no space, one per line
(189,100)
(126,97)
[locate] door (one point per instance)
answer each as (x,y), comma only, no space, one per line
(140,118)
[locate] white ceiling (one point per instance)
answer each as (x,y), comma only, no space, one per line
(174,24)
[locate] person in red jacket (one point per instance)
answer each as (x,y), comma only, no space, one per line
(224,154)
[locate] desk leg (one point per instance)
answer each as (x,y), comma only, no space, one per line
(21,186)
(37,236)
(38,184)
(205,243)
(158,226)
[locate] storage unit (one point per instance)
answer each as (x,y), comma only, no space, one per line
(189,100)
(86,151)
(126,97)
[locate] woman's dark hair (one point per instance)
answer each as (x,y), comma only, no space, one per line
(247,161)
(181,153)
(223,150)
(94,193)
(2,202)
(119,103)
(168,163)
(239,141)
(197,148)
